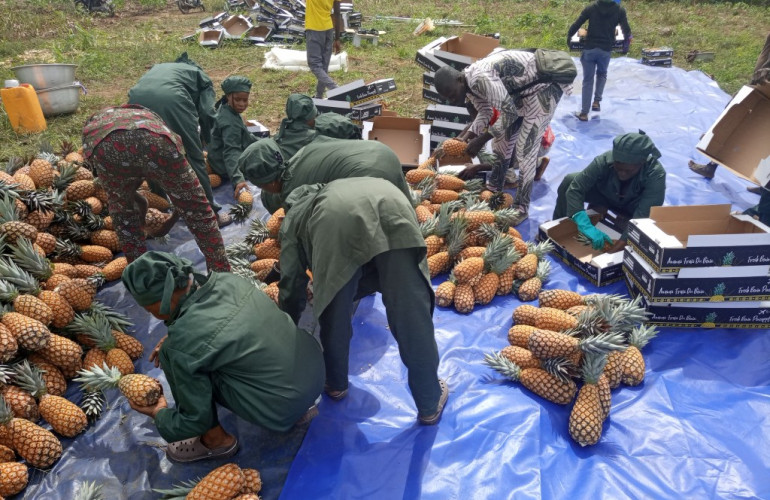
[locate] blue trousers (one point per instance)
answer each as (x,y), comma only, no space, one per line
(595,63)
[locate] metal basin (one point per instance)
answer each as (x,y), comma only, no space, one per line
(60,100)
(44,76)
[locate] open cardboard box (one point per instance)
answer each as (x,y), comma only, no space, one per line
(257,129)
(699,236)
(752,314)
(235,26)
(738,137)
(426,58)
(210,38)
(258,34)
(407,137)
(598,267)
(697,284)
(464,50)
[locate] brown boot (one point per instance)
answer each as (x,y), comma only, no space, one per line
(706,170)
(541,167)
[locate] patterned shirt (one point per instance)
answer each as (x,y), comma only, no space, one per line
(125,117)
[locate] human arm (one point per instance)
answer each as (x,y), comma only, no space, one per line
(337,23)
(205,106)
(623,22)
(194,410)
(593,176)
(598,238)
(496,108)
(232,147)
(654,192)
(292,294)
(577,24)
(762,69)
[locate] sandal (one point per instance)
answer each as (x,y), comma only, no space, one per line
(192,450)
(224,219)
(433,419)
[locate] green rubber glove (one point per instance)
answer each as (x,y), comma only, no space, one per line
(597,237)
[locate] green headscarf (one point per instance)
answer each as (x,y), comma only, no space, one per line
(155,276)
(633,148)
(261,162)
(336,126)
(236,84)
(300,107)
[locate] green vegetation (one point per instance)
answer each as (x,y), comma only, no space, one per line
(112,53)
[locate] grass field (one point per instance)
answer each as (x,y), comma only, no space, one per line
(112,53)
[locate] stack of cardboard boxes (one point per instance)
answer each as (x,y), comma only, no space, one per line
(700,266)
(577,43)
(658,56)
(357,100)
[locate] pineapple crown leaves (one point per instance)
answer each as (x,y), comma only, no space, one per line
(8,212)
(497,257)
(455,238)
(65,177)
(241,249)
(178,491)
(8,292)
(474,186)
(426,188)
(505,216)
(118,321)
(503,365)
(468,198)
(10,190)
(641,335)
(99,378)
(80,207)
(445,217)
(93,222)
(96,326)
(623,314)
(29,260)
(13,164)
(560,368)
(238,262)
(45,148)
(67,248)
(497,200)
(602,343)
(92,404)
(428,227)
(542,248)
(247,274)
(593,366)
(240,212)
(479,206)
(487,231)
(258,232)
(30,379)
(7,374)
(39,200)
(6,413)
(18,277)
(89,490)
(543,270)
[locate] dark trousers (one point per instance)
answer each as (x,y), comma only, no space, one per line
(408,306)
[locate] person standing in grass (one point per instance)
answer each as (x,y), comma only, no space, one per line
(358,236)
(230,136)
(323,26)
(183,95)
(602,16)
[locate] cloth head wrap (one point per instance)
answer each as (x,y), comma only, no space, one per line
(261,162)
(155,276)
(236,84)
(300,107)
(337,126)
(633,148)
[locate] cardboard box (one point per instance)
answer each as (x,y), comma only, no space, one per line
(460,52)
(330,106)
(447,130)
(705,314)
(698,284)
(210,38)
(454,114)
(738,137)
(235,26)
(699,236)
(427,59)
(407,137)
(358,91)
(257,129)
(365,111)
(258,34)
(598,267)
(578,43)
(432,95)
(665,62)
(658,52)
(427,79)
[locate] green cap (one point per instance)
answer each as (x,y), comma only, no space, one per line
(633,148)
(261,162)
(336,126)
(300,107)
(236,84)
(155,276)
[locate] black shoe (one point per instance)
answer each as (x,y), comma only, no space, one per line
(583,117)
(754,189)
(596,106)
(706,170)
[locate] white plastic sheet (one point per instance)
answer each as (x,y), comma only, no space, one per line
(296,60)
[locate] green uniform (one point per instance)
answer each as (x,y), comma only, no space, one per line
(230,344)
(599,185)
(228,140)
(360,235)
(326,159)
(183,95)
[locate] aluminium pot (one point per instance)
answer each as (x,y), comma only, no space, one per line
(44,76)
(60,100)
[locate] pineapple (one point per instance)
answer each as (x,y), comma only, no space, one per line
(587,416)
(454,147)
(13,478)
(530,288)
(215,180)
(140,389)
(486,288)
(6,455)
(155,201)
(129,344)
(62,352)
(464,298)
(78,292)
(80,189)
(499,200)
(433,242)
(455,236)
(54,380)
(613,371)
(525,315)
(223,482)
(605,394)
(556,320)
(632,360)
(253,481)
(65,417)
(39,207)
(8,345)
(62,310)
(271,291)
(518,335)
(443,196)
(481,214)
(89,490)
(10,224)
(566,299)
(41,170)
(445,292)
(263,267)
(39,447)
(521,356)
(543,383)
(417,175)
(46,241)
(87,270)
(89,253)
(25,304)
(273,224)
(98,329)
(549,344)
(526,267)
(21,402)
(114,269)
(30,333)
(106,238)
(268,249)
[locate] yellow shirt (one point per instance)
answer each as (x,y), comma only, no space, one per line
(318,15)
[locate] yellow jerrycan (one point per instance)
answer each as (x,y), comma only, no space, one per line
(23,107)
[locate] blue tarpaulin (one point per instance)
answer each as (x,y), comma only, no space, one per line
(696,428)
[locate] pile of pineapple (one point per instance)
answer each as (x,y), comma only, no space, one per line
(467,233)
(228,482)
(595,339)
